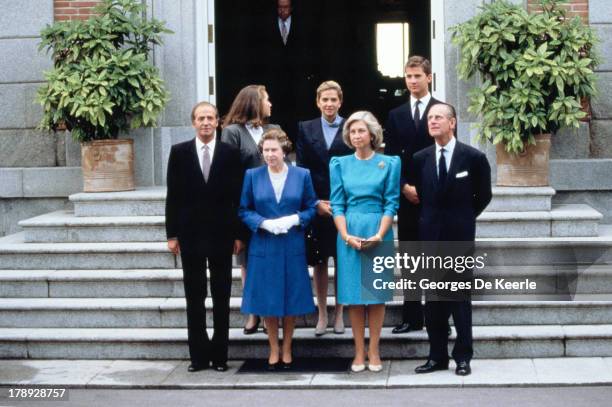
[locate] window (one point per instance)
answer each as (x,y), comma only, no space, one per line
(392,48)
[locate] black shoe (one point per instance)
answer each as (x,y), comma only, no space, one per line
(254,328)
(405,327)
(463,369)
(220,367)
(273,367)
(287,366)
(431,366)
(196,367)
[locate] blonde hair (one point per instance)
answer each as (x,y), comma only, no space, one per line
(374,128)
(329,85)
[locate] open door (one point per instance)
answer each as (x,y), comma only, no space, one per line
(362,44)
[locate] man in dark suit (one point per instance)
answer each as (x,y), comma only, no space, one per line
(317,142)
(453,182)
(405,134)
(202,225)
(289,65)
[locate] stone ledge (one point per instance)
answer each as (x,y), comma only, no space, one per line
(581,174)
(40,182)
(599,12)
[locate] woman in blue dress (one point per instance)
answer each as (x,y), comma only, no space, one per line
(277,204)
(364,200)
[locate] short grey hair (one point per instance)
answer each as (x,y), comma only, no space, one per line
(374,128)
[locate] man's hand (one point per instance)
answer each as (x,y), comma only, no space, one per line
(410,193)
(324,208)
(173,246)
(238,246)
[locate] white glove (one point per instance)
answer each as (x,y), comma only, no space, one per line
(287,222)
(273,226)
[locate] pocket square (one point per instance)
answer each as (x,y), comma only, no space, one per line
(462,174)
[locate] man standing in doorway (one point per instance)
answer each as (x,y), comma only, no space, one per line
(202,226)
(289,66)
(405,134)
(453,181)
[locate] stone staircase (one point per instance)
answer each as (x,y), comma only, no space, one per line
(98,283)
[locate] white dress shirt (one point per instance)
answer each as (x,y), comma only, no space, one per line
(200,150)
(448,154)
(255,131)
(287,24)
(424,102)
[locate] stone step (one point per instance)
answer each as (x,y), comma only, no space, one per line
(494,342)
(521,199)
(150,201)
(570,220)
(16,254)
(141,202)
(65,227)
(154,255)
(170,313)
(168,283)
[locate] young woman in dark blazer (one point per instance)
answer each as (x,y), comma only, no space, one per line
(243,127)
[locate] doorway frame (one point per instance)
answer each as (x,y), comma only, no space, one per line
(438,49)
(206,50)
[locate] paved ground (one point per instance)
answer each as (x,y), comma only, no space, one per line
(135,374)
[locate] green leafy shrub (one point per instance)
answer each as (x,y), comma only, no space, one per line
(102,82)
(535,70)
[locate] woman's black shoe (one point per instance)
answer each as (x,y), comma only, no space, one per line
(287,366)
(254,328)
(273,367)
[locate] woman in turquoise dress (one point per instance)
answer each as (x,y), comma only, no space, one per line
(364,199)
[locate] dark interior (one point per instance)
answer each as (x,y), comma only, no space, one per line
(339,44)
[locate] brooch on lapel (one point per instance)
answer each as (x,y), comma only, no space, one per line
(381,165)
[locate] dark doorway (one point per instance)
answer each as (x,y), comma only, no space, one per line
(337,39)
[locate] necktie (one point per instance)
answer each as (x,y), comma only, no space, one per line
(417,115)
(442,173)
(206,163)
(284,31)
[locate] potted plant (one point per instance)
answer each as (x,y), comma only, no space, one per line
(536,70)
(101,85)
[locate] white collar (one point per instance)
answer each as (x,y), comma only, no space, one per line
(287,21)
(449,147)
(210,144)
(424,101)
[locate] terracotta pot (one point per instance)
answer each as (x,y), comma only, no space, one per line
(108,165)
(526,169)
(585,104)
